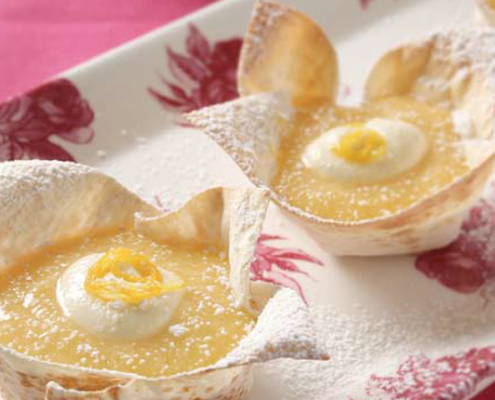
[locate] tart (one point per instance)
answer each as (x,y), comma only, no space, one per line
(393,175)
(105,297)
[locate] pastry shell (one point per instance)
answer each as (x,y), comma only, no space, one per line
(451,70)
(44,202)
(485,13)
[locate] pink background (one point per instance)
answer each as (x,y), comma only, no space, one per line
(40,38)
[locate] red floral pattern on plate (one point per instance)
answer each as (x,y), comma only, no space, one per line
(275,265)
(29,121)
(468,264)
(364,4)
(452,377)
(203,76)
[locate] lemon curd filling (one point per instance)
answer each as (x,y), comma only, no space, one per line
(336,164)
(204,327)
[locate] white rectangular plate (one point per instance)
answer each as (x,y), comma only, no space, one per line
(393,332)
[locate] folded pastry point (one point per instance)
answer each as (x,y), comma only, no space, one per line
(449,70)
(248,129)
(448,76)
(285,51)
(55,201)
(485,12)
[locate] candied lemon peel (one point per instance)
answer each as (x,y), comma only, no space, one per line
(127,287)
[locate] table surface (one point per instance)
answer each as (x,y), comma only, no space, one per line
(41,38)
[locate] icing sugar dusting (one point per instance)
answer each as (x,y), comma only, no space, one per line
(265,15)
(363,344)
(178,330)
(247,129)
(463,124)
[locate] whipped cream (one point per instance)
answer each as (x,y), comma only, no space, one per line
(405,146)
(115,319)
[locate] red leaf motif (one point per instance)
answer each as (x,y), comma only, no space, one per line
(289,266)
(180,65)
(177,91)
(453,269)
(169,103)
(11,151)
(60,105)
(294,254)
(13,111)
(364,4)
(78,136)
(275,265)
(265,237)
(198,46)
(45,150)
(203,76)
(19,120)
(468,264)
(281,279)
(454,377)
(225,58)
(259,265)
(28,122)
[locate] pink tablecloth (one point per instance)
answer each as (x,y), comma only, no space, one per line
(39,38)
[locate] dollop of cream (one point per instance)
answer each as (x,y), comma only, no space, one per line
(375,151)
(114,319)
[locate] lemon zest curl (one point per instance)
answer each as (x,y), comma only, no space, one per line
(129,288)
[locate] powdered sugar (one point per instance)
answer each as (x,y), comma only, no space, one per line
(463,124)
(265,15)
(254,140)
(178,330)
(363,342)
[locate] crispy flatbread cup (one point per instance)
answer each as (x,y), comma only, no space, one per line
(287,62)
(44,202)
